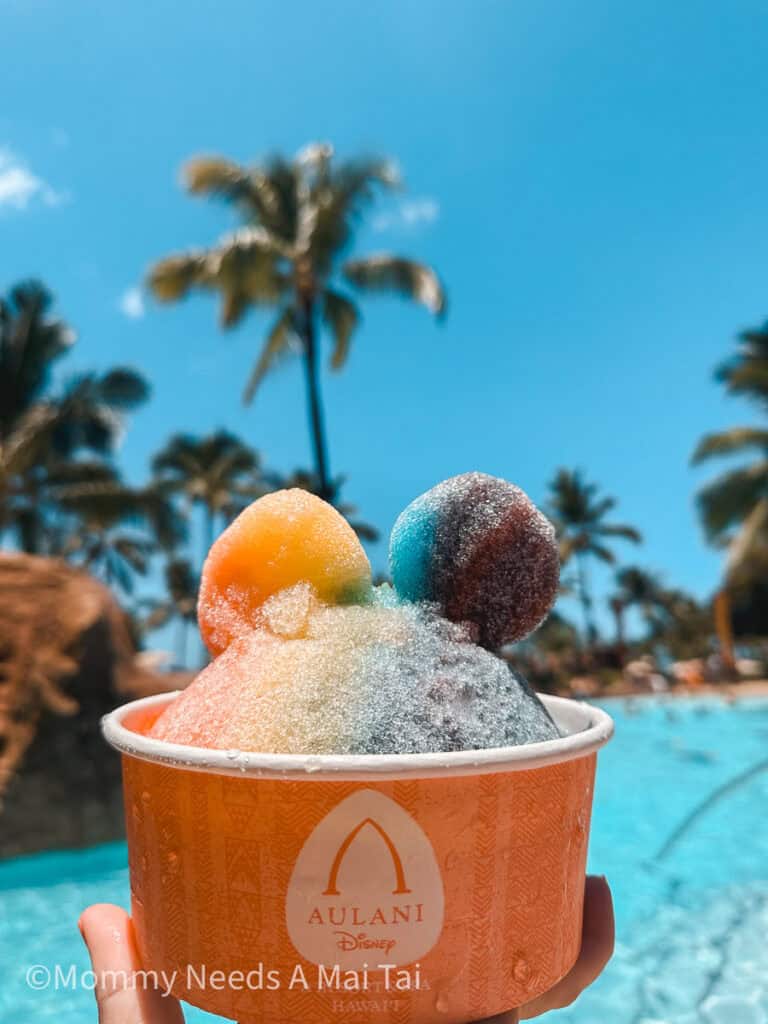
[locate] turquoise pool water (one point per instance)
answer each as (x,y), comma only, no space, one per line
(692,925)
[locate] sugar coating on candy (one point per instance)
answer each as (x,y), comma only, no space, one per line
(283,539)
(376,678)
(412,549)
(478,547)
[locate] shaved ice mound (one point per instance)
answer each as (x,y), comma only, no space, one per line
(312,659)
(380,678)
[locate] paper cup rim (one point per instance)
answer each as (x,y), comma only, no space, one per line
(587,729)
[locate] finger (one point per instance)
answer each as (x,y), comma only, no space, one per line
(597,940)
(122,995)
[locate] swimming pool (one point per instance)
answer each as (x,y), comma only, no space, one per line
(692,917)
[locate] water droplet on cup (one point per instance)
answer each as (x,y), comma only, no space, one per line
(442,1003)
(521,970)
(173,860)
(146,797)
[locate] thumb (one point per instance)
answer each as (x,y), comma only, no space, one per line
(123,996)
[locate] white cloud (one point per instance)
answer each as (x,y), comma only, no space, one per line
(410,213)
(19,186)
(131,303)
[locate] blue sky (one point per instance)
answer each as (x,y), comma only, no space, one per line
(591,181)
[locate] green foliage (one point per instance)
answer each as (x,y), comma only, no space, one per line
(734,506)
(219,472)
(60,493)
(578,512)
(673,619)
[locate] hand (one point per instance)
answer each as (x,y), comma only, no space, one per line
(597,937)
(109,936)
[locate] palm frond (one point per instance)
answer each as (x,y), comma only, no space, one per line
(603,553)
(182,584)
(134,550)
(365,531)
(638,586)
(214,175)
(746,373)
(334,200)
(234,306)
(342,317)
(75,472)
(123,388)
(172,278)
(276,345)
(600,507)
(105,504)
(91,408)
(730,442)
(248,270)
(386,273)
(730,499)
(28,443)
(619,530)
(568,545)
(245,266)
(30,343)
(280,215)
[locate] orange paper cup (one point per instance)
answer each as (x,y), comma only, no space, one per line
(406,889)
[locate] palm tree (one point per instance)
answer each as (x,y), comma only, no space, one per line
(734,506)
(638,588)
(299,217)
(182,584)
(578,512)
(52,444)
(219,473)
(115,529)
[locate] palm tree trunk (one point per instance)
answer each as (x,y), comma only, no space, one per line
(618,608)
(181,640)
(208,529)
(314,400)
(724,628)
(590,630)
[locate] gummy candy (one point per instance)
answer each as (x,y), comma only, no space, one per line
(283,538)
(479,548)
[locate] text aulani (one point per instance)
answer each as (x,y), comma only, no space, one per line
(408,913)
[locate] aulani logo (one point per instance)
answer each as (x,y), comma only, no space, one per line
(401,887)
(366,882)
